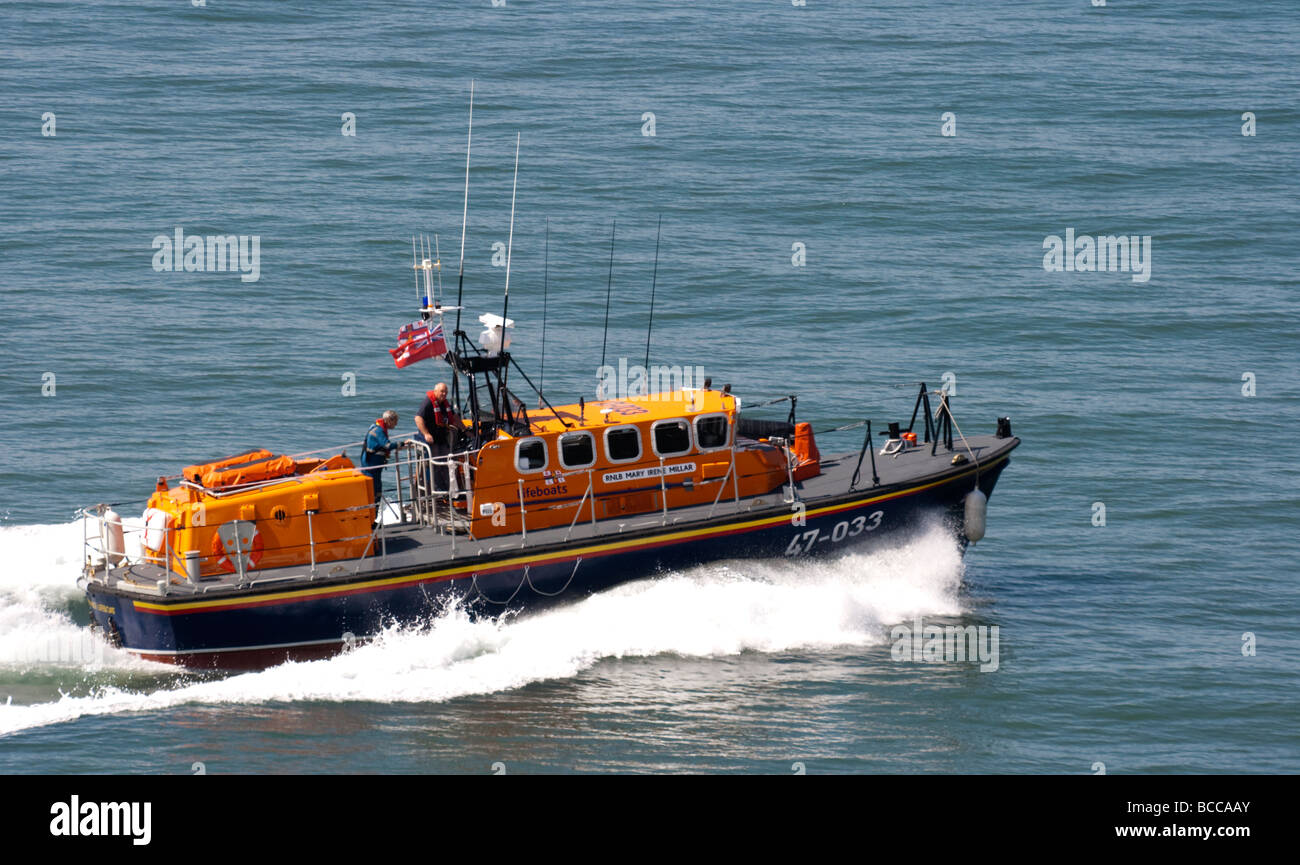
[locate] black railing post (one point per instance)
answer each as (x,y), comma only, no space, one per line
(929,423)
(857,472)
(875,478)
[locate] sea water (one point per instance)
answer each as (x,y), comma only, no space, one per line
(854,198)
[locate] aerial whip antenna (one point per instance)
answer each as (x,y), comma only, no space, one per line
(464,217)
(546,263)
(415,266)
(505,304)
(438,264)
(505,307)
(653,280)
(608,290)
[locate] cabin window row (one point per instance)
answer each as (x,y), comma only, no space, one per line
(577,450)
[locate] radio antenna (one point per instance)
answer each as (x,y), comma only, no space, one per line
(653,281)
(546,264)
(464,217)
(608,291)
(415,267)
(510,242)
(502,375)
(437,263)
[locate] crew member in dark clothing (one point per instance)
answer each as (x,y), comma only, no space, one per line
(436,422)
(374,451)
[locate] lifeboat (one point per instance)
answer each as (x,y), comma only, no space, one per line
(258,557)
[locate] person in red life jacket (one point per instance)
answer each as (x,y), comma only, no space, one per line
(374,450)
(437,422)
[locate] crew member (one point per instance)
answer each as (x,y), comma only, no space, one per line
(374,451)
(436,422)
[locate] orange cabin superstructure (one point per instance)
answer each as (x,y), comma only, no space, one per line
(615,458)
(268,509)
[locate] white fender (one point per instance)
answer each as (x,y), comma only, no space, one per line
(977,506)
(155,528)
(114,541)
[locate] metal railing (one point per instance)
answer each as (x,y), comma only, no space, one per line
(414,460)
(418,500)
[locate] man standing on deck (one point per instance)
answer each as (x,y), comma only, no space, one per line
(435,422)
(374,450)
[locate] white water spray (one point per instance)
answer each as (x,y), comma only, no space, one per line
(712,611)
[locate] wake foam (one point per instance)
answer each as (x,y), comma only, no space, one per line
(40,559)
(717,610)
(39,566)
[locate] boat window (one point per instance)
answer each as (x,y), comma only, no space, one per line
(711,431)
(530,455)
(577,450)
(622,444)
(672,437)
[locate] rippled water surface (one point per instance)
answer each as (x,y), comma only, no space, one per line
(774,126)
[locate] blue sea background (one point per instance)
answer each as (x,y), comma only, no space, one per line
(1161,641)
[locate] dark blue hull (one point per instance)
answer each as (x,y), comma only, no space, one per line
(307,620)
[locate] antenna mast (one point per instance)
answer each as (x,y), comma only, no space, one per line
(546,263)
(438,264)
(431,301)
(608,290)
(464,217)
(505,307)
(505,304)
(415,266)
(653,281)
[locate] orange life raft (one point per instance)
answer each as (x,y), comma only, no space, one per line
(259,509)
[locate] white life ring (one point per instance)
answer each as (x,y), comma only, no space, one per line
(156,523)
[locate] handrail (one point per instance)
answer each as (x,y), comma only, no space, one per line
(663,489)
(578,510)
(723,485)
(523,517)
(414,462)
